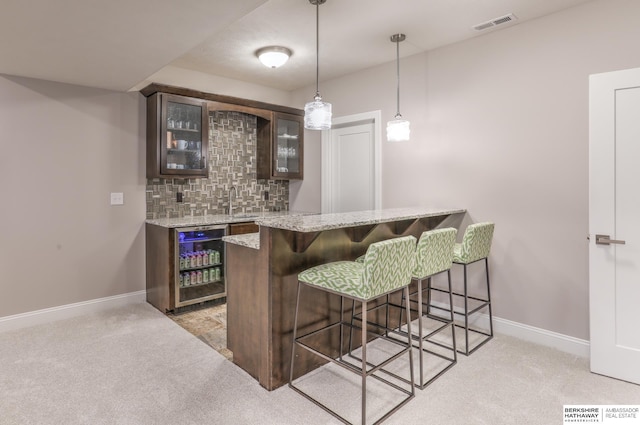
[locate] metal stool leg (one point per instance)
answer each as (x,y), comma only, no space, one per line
(420,331)
(486,265)
(364,363)
(466,315)
(453,324)
(341,324)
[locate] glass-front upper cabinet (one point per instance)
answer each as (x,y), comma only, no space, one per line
(177,136)
(287,146)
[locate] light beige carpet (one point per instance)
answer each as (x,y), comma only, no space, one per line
(133,365)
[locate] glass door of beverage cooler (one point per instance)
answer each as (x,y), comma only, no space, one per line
(199,268)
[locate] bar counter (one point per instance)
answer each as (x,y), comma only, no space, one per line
(262,279)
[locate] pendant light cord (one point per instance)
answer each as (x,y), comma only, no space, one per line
(398,76)
(317,48)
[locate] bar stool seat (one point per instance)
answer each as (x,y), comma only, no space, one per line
(475,247)
(386,268)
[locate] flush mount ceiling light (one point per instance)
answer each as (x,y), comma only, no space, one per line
(398,129)
(317,114)
(273,56)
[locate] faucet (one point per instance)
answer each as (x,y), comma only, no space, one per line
(232,188)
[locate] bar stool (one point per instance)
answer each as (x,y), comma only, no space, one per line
(434,255)
(386,269)
(475,246)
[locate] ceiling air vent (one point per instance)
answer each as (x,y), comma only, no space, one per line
(495,22)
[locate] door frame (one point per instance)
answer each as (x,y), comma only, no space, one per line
(374,117)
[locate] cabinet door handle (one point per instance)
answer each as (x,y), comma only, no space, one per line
(606,240)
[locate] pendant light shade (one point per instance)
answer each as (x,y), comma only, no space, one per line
(317,114)
(398,129)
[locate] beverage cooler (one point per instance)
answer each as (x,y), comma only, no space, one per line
(199,269)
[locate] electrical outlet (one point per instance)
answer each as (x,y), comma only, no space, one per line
(117,198)
(178,196)
(266,195)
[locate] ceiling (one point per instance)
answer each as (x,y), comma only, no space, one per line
(118,44)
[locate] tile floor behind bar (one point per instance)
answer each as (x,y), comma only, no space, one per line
(209,325)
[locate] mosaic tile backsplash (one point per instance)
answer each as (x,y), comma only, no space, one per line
(232,159)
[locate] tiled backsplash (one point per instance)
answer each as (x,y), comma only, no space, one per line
(232,159)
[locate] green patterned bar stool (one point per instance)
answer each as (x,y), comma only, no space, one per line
(475,246)
(386,268)
(434,255)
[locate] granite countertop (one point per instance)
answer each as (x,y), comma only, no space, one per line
(250,240)
(214,219)
(319,222)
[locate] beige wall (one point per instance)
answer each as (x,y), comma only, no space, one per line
(500,127)
(64,149)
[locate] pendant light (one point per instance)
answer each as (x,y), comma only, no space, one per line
(317,114)
(398,129)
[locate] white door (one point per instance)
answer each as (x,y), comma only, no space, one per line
(350,165)
(614,210)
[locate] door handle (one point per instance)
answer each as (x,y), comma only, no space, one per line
(606,240)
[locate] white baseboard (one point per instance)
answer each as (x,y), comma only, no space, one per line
(568,344)
(47,315)
(565,343)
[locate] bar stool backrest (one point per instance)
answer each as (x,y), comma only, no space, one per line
(387,266)
(476,242)
(434,253)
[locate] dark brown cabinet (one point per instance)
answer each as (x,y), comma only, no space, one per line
(178,133)
(177,136)
(243,228)
(281,147)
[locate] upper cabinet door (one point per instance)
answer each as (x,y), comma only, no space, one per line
(280,147)
(177,136)
(287,146)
